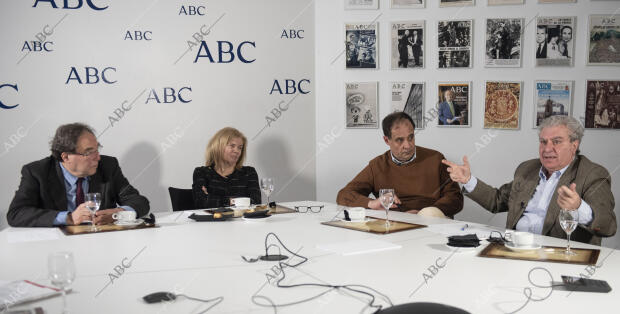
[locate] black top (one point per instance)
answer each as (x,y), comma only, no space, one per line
(241,183)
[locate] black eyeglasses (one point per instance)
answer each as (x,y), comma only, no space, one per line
(305,209)
(90,152)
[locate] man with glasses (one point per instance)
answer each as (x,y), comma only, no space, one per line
(560,178)
(52,190)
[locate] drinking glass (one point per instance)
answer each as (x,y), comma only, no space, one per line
(568,221)
(93,201)
(61,271)
(386,197)
(266,184)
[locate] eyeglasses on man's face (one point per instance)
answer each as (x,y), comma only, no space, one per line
(89,152)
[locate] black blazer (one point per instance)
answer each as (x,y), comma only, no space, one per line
(41,194)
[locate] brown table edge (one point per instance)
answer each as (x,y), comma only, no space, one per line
(593,257)
(139,227)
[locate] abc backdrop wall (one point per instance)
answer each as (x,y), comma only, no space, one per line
(156,79)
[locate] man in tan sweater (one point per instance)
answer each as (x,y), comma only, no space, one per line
(416,174)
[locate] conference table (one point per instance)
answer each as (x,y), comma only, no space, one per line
(204,260)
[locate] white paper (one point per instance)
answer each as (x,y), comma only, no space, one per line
(16,292)
(358,247)
(32,235)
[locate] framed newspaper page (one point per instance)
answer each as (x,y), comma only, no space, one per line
(455,3)
(409,98)
(552,98)
(455,42)
(554,41)
(502,105)
(362,105)
(502,2)
(361,4)
(503,43)
(604,40)
(361,45)
(602,104)
(454,104)
(407,4)
(407,45)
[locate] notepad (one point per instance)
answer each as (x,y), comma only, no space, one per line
(359,247)
(17,292)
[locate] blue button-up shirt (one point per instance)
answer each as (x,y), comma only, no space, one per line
(533,217)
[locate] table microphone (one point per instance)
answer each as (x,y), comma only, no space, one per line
(272,257)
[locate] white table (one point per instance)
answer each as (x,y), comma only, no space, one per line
(203,259)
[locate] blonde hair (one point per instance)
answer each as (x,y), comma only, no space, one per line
(217,144)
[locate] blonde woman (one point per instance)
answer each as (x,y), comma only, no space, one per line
(224,177)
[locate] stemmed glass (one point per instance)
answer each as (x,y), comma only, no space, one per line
(266,184)
(93,201)
(568,221)
(61,271)
(386,197)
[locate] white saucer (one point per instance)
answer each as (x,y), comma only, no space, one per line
(513,247)
(129,223)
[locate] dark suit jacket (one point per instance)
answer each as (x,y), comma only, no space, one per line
(41,194)
(593,185)
(543,53)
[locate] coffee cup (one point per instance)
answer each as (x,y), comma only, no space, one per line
(357,213)
(124,215)
(520,238)
(240,202)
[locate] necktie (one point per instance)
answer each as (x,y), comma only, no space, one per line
(451,108)
(539,49)
(79,194)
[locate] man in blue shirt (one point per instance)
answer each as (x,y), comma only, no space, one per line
(52,190)
(560,178)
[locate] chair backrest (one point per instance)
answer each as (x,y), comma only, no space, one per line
(182,199)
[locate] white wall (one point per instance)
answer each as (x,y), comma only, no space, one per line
(496,163)
(160,144)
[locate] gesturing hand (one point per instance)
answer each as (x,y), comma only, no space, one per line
(459,173)
(568,198)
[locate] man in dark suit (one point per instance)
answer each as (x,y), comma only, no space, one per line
(449,114)
(541,42)
(52,190)
(560,178)
(403,54)
(416,47)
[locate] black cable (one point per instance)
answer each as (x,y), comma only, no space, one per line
(281,264)
(218,299)
(527,291)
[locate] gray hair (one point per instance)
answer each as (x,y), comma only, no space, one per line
(66,137)
(574,126)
